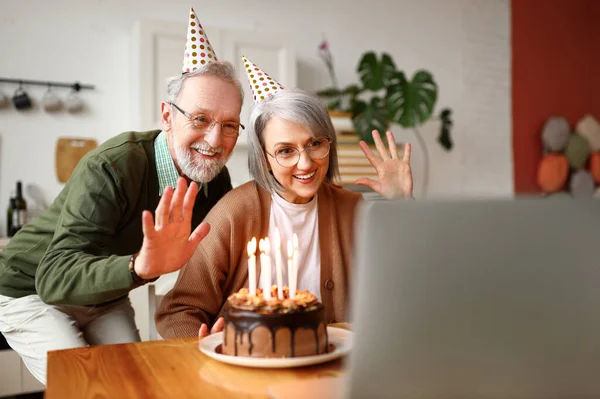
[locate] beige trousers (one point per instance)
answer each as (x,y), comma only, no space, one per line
(32,328)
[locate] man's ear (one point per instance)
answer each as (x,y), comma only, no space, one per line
(166,116)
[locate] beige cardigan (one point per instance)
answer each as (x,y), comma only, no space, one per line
(219,267)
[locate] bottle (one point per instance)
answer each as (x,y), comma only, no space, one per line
(19,215)
(9,216)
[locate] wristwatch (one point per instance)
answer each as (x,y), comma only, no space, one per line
(134,276)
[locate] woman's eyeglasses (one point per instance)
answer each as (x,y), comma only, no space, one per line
(289,156)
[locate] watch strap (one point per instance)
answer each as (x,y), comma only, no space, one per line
(134,276)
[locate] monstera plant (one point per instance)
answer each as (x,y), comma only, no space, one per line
(385,96)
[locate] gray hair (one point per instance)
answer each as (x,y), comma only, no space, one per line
(294,105)
(221,69)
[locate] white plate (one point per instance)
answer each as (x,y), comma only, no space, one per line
(342,339)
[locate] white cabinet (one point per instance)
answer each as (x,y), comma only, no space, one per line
(10,373)
(14,377)
(28,382)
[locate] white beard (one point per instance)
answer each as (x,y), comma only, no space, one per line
(199,170)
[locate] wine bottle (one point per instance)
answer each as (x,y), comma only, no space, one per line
(9,216)
(20,210)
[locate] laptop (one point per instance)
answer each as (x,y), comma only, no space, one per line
(476,299)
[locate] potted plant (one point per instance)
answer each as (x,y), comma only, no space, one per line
(385,96)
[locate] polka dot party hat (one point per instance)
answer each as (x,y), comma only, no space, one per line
(261,84)
(198,50)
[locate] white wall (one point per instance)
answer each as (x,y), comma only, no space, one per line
(464,43)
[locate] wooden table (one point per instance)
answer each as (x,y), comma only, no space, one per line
(173,368)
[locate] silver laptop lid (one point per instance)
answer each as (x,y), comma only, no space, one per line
(476,299)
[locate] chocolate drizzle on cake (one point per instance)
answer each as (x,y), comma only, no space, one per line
(244,322)
(250,343)
(244,313)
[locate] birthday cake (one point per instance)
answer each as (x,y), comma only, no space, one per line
(259,327)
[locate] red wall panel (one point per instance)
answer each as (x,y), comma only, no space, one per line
(555,71)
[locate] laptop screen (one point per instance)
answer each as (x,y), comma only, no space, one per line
(476,299)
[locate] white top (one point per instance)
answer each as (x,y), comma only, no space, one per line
(303,220)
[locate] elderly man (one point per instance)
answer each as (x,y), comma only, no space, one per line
(65,277)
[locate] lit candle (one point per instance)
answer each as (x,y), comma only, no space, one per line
(295,260)
(264,269)
(251,248)
(291,277)
(267,245)
(278,263)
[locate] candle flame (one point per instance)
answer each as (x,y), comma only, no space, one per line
(251,248)
(261,245)
(267,246)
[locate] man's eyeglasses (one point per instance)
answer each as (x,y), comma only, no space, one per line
(289,156)
(204,124)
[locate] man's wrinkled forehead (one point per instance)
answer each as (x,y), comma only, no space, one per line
(211,97)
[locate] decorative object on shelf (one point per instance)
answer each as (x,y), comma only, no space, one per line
(553,173)
(408,103)
(50,101)
(555,134)
(577,151)
(570,162)
(589,128)
(582,184)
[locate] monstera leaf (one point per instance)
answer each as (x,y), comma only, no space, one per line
(375,74)
(411,103)
(352,90)
(339,96)
(370,116)
(331,92)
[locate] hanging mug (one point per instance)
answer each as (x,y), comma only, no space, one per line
(4,100)
(50,101)
(73,102)
(21,99)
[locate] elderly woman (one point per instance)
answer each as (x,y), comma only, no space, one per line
(293,160)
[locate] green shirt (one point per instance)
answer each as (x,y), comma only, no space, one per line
(77,251)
